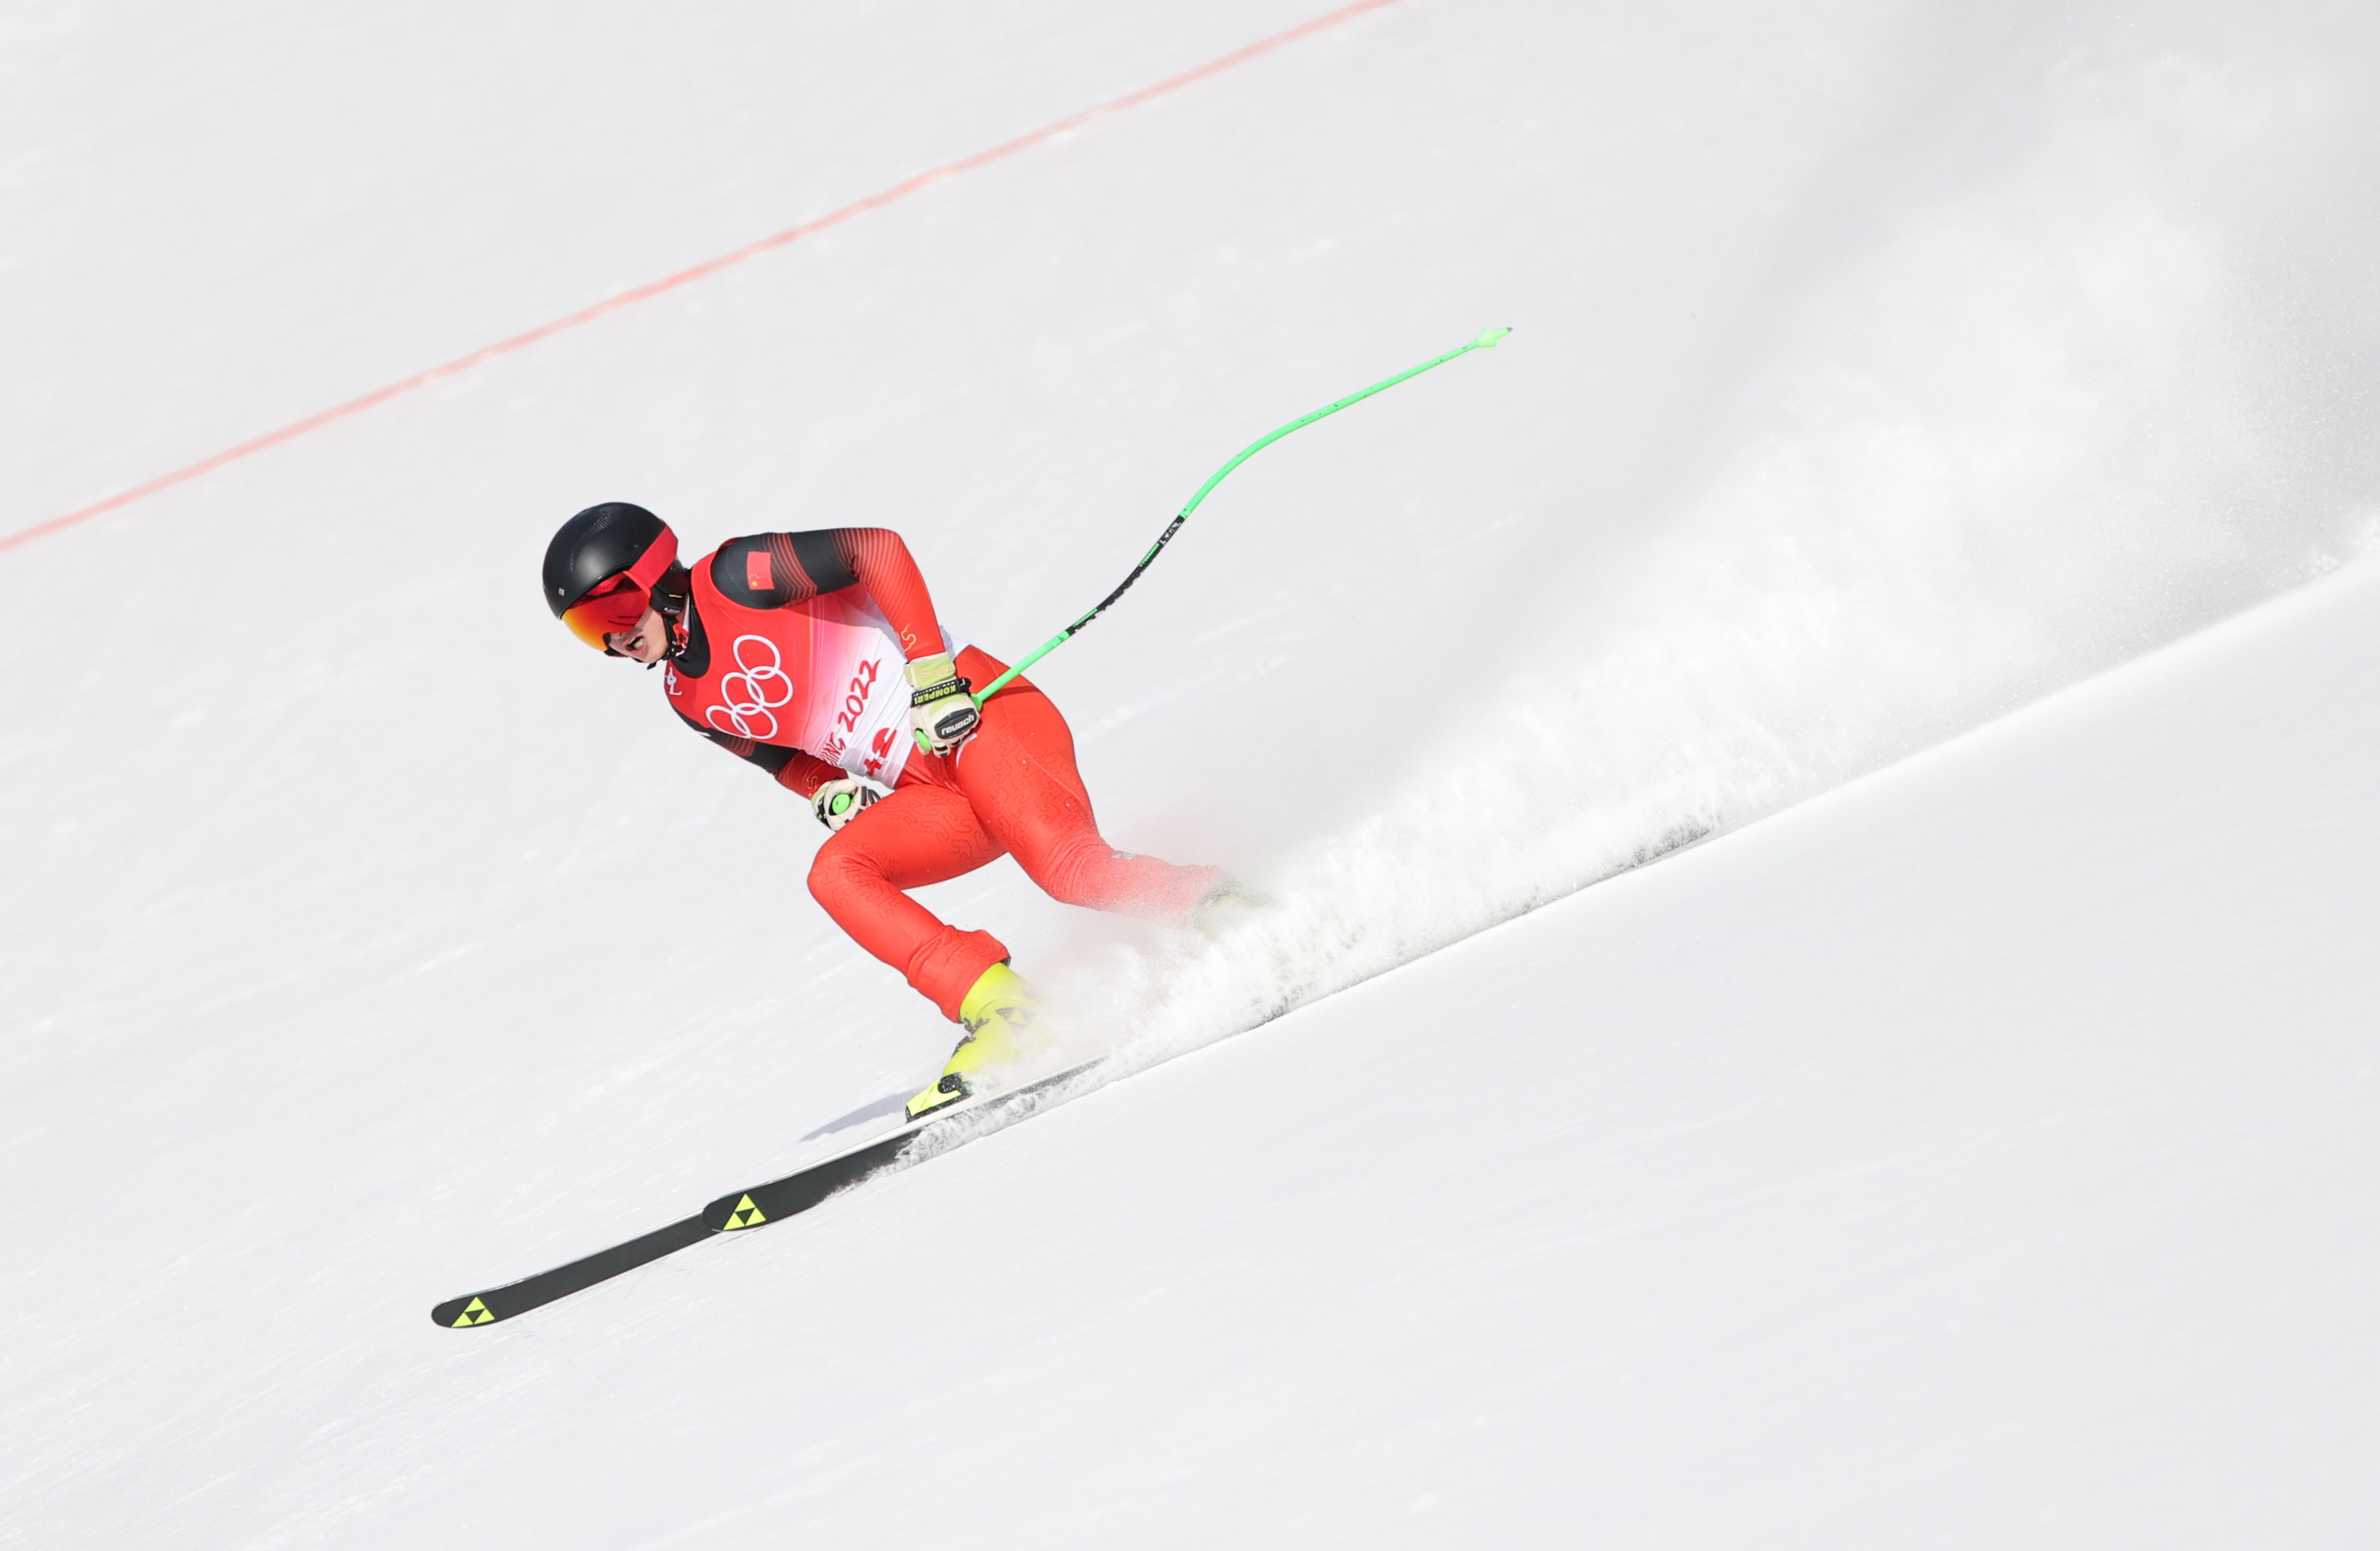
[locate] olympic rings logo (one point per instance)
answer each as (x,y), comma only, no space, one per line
(746,711)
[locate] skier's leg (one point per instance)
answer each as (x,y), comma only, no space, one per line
(922,833)
(1018,774)
(925,832)
(1017,779)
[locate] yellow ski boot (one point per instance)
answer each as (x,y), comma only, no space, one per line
(999,1017)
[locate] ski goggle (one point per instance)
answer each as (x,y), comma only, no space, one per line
(615,604)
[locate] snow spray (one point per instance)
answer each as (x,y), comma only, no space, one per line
(2002,420)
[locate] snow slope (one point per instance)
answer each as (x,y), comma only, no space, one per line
(1880,369)
(1979,1156)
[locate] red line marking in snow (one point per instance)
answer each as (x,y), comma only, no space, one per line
(689,275)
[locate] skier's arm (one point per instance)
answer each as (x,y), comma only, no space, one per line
(794,770)
(771,570)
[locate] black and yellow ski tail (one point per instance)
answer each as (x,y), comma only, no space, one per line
(475,1309)
(759,1205)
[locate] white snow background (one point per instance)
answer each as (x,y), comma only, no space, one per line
(1975,1148)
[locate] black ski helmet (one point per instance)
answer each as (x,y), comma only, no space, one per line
(603,542)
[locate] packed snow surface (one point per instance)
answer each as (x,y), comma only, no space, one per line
(1906,559)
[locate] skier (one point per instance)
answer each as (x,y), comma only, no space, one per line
(818,657)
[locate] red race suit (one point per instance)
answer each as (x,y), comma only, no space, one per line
(791,656)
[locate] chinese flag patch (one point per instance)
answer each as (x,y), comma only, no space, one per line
(758,576)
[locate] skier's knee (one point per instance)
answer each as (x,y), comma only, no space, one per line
(839,875)
(1078,872)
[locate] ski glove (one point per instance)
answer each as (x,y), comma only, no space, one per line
(942,714)
(837,802)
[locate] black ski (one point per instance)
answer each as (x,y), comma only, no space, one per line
(802,1189)
(761,1205)
(533,1292)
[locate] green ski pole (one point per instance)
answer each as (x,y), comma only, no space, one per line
(1487,340)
